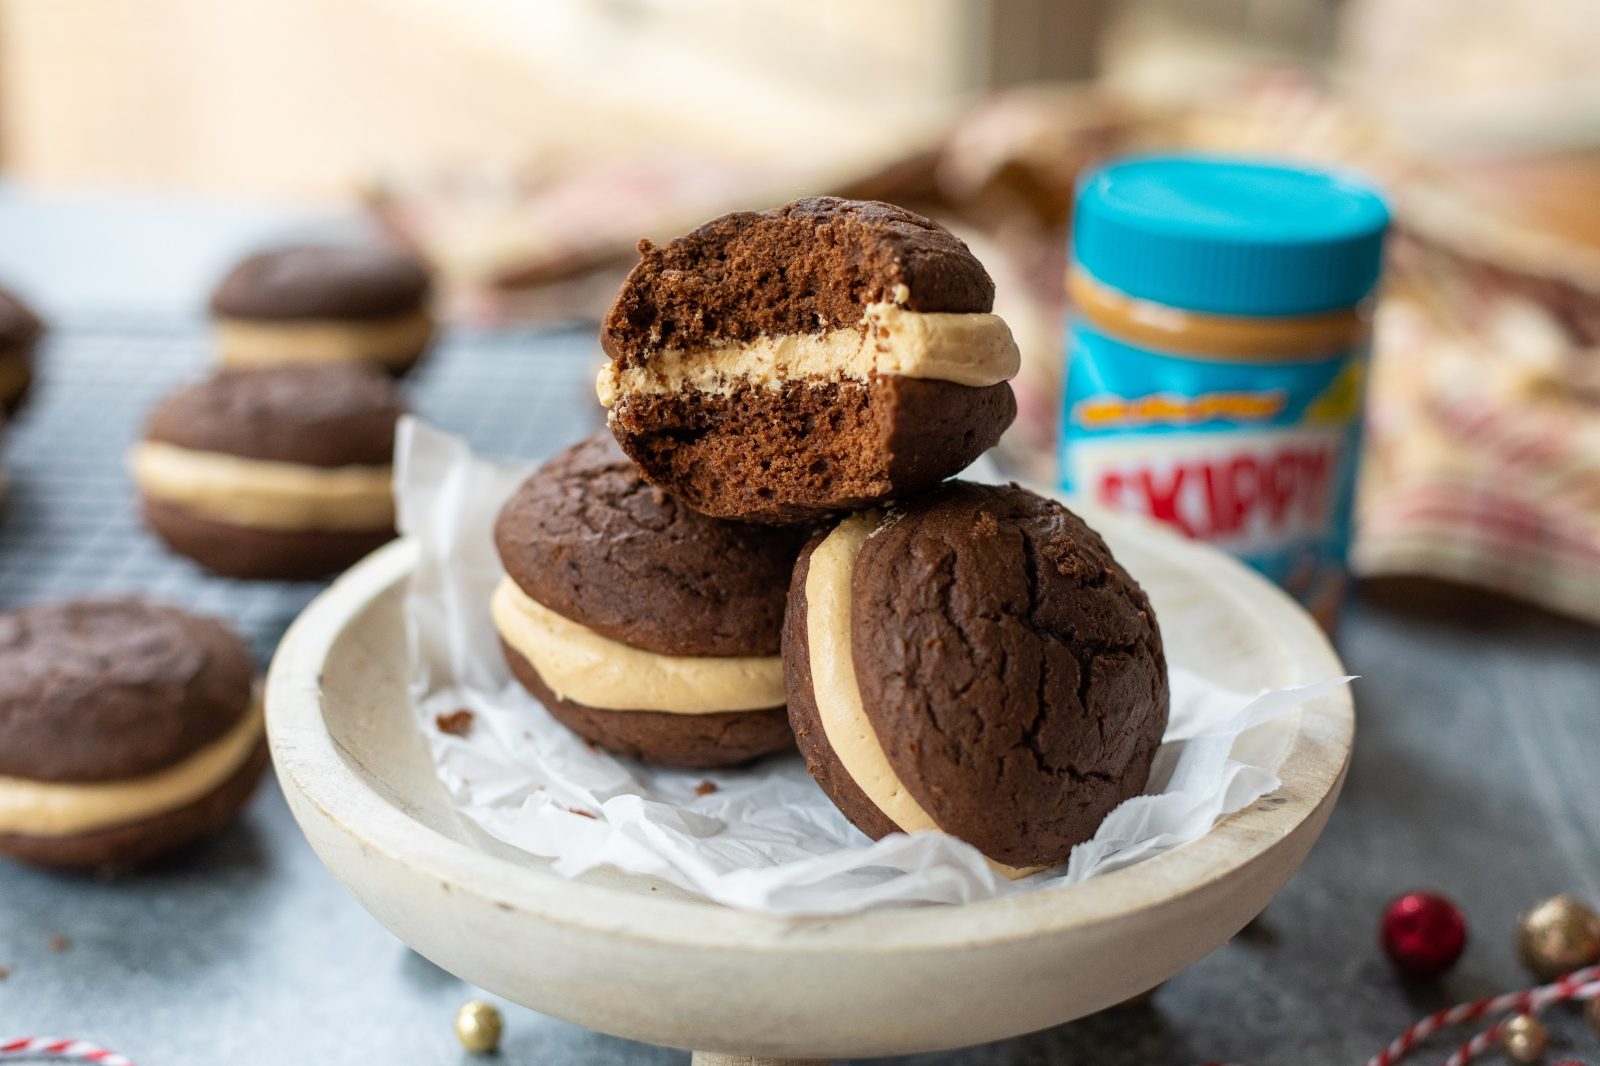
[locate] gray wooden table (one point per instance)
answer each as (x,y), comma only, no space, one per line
(1475,762)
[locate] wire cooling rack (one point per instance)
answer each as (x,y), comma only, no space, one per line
(71,524)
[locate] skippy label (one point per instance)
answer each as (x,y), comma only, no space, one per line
(1257,457)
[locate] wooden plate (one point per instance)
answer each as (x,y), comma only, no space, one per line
(641,959)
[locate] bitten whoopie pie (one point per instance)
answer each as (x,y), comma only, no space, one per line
(820,357)
(20,330)
(278,473)
(644,626)
(127,730)
(325,304)
(974,661)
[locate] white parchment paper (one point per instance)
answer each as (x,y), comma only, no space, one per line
(766,839)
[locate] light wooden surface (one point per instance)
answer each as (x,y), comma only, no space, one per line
(639,959)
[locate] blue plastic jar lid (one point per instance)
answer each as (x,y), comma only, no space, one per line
(1229,236)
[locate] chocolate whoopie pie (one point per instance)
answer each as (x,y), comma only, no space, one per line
(820,357)
(325,304)
(644,626)
(127,730)
(974,661)
(20,330)
(283,472)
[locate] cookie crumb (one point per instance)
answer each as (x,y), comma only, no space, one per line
(456,723)
(5,971)
(986,524)
(59,943)
(705,788)
(581,813)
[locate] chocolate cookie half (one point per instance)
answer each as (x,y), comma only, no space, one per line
(127,730)
(20,330)
(821,357)
(325,304)
(644,626)
(976,662)
(277,473)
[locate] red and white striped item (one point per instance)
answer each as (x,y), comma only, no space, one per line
(1578,985)
(54,1047)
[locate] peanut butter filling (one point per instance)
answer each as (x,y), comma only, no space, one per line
(389,342)
(261,494)
(582,666)
(970,349)
(58,809)
(833,681)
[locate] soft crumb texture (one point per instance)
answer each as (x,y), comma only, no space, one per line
(456,723)
(808,266)
(317,415)
(324,282)
(1011,667)
(801,452)
(590,539)
(810,446)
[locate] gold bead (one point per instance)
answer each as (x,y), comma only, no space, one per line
(478,1027)
(1591,1014)
(1558,936)
(1524,1038)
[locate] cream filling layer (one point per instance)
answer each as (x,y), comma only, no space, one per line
(262,494)
(967,349)
(57,809)
(833,681)
(582,666)
(392,341)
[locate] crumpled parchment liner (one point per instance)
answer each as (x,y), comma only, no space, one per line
(766,838)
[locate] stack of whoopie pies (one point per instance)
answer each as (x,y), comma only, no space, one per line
(279,465)
(774,553)
(128,728)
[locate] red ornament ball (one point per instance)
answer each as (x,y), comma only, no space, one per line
(1423,934)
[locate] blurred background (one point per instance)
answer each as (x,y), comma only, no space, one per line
(523,148)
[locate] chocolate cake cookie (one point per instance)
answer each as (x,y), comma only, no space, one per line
(325,304)
(127,730)
(20,330)
(644,626)
(821,357)
(278,473)
(977,662)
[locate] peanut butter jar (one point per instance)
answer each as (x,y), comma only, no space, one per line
(1217,356)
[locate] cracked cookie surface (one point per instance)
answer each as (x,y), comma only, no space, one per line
(1013,672)
(589,538)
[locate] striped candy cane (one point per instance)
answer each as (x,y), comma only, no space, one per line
(1580,984)
(1559,992)
(54,1047)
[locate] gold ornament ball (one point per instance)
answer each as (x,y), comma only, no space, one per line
(1524,1038)
(1558,936)
(478,1027)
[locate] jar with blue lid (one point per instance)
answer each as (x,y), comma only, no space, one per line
(1217,355)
